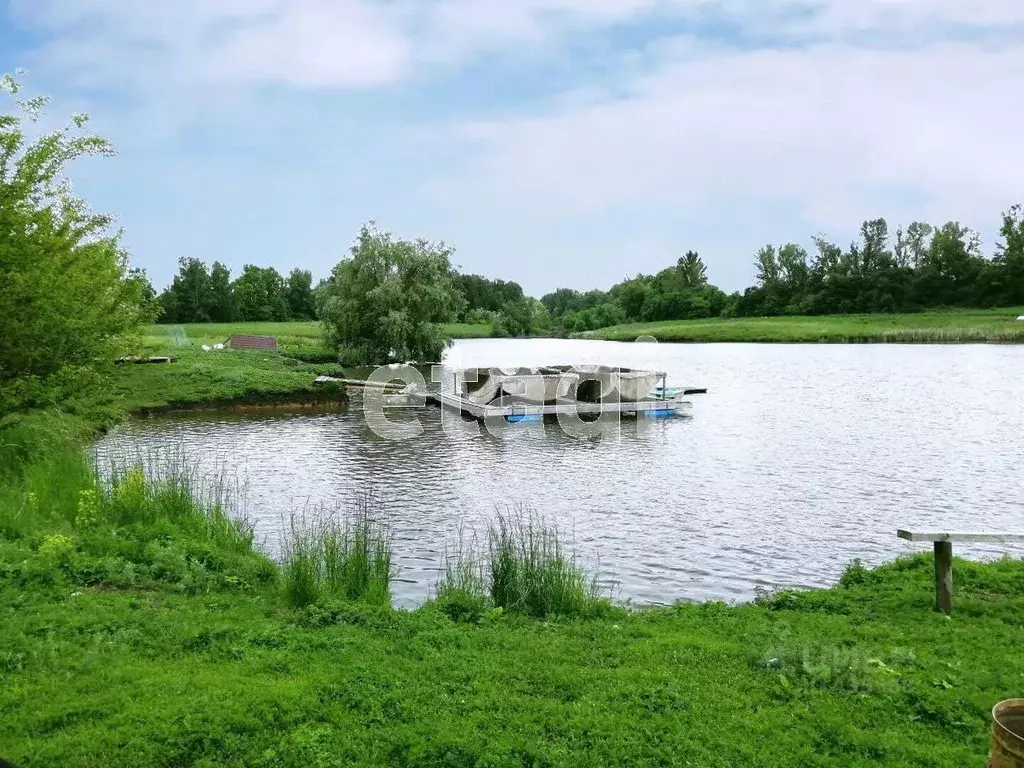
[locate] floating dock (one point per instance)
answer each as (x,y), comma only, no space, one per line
(529,394)
(515,411)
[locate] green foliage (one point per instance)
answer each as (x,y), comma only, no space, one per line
(526,571)
(922,267)
(525,317)
(221,305)
(485,295)
(347,558)
(260,295)
(68,299)
(299,293)
(386,302)
(531,573)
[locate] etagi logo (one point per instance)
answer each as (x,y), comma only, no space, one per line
(588,401)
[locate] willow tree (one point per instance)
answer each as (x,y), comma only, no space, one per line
(68,298)
(387,300)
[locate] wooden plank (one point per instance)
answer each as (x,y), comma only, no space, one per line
(480,411)
(944,576)
(999,538)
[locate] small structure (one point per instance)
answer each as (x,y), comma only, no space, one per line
(529,394)
(244,341)
(944,557)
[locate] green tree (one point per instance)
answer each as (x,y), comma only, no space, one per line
(221,297)
(1008,266)
(259,294)
(68,298)
(299,292)
(188,298)
(385,302)
(515,318)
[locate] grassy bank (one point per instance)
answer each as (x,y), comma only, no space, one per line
(966,326)
(142,629)
(226,377)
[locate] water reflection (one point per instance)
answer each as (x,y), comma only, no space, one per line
(799,459)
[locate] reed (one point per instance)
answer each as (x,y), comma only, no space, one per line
(531,572)
(346,556)
(526,570)
(462,589)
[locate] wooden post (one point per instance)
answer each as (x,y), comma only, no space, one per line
(944,576)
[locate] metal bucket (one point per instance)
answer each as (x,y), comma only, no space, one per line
(1007,735)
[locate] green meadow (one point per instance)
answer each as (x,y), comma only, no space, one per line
(945,327)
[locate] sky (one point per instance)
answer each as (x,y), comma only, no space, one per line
(557,143)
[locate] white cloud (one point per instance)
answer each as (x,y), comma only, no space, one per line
(814,115)
(804,125)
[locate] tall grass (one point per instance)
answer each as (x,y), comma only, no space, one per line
(346,556)
(528,571)
(123,527)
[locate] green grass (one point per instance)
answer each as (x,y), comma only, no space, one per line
(230,377)
(142,627)
(527,570)
(293,337)
(346,556)
(954,326)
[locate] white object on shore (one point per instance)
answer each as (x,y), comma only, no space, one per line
(218,346)
(1021,318)
(207,347)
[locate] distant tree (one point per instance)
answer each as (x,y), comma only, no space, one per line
(524,317)
(486,294)
(386,301)
(299,292)
(632,295)
(220,306)
(259,293)
(1007,279)
(187,299)
(68,298)
(692,270)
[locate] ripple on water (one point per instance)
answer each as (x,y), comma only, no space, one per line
(800,459)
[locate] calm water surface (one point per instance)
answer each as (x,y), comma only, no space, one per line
(800,458)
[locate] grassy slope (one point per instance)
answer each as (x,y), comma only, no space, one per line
(939,327)
(201,377)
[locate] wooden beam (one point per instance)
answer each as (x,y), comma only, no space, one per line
(998,538)
(944,576)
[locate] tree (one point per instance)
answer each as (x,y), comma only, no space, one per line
(187,299)
(482,293)
(259,294)
(693,271)
(221,298)
(385,302)
(1008,266)
(299,293)
(68,299)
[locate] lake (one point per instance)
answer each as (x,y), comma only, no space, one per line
(799,459)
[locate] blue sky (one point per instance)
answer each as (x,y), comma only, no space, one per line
(552,142)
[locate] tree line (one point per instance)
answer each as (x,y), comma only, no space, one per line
(201,294)
(919,267)
(208,295)
(916,268)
